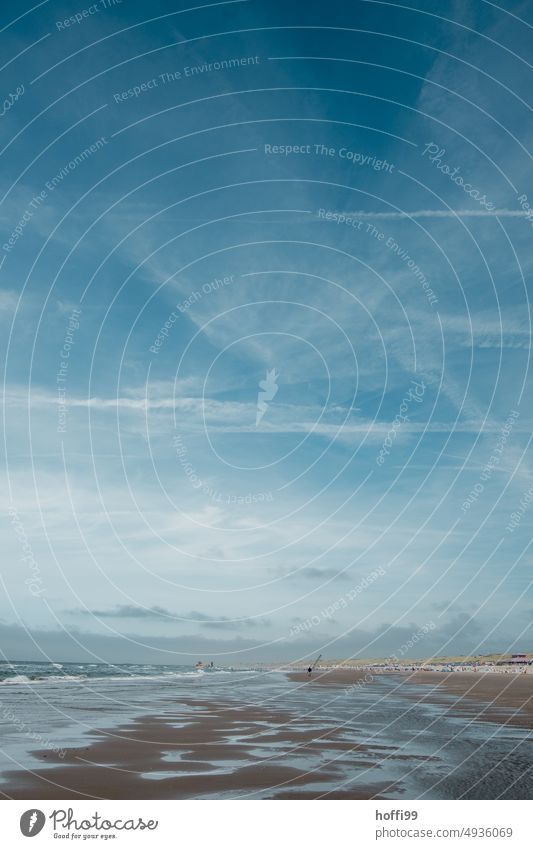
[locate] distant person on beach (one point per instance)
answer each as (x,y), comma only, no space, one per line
(309,670)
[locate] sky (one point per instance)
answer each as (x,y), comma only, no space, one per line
(264,309)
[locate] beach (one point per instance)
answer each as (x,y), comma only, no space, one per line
(505,698)
(500,697)
(129,762)
(278,734)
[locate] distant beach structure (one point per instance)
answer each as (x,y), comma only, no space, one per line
(516,659)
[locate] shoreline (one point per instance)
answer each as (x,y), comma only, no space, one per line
(497,693)
(215,748)
(125,762)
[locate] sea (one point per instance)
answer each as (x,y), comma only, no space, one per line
(412,750)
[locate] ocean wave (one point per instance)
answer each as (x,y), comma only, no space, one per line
(162,676)
(40,679)
(28,674)
(16,679)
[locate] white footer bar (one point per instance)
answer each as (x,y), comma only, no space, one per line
(262,824)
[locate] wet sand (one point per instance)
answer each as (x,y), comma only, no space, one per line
(117,762)
(490,696)
(205,748)
(332,677)
(499,697)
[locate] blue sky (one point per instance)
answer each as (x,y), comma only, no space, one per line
(330,201)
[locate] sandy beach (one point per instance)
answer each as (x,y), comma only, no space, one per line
(332,677)
(339,734)
(128,762)
(213,748)
(499,697)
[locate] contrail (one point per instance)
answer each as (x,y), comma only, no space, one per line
(441,213)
